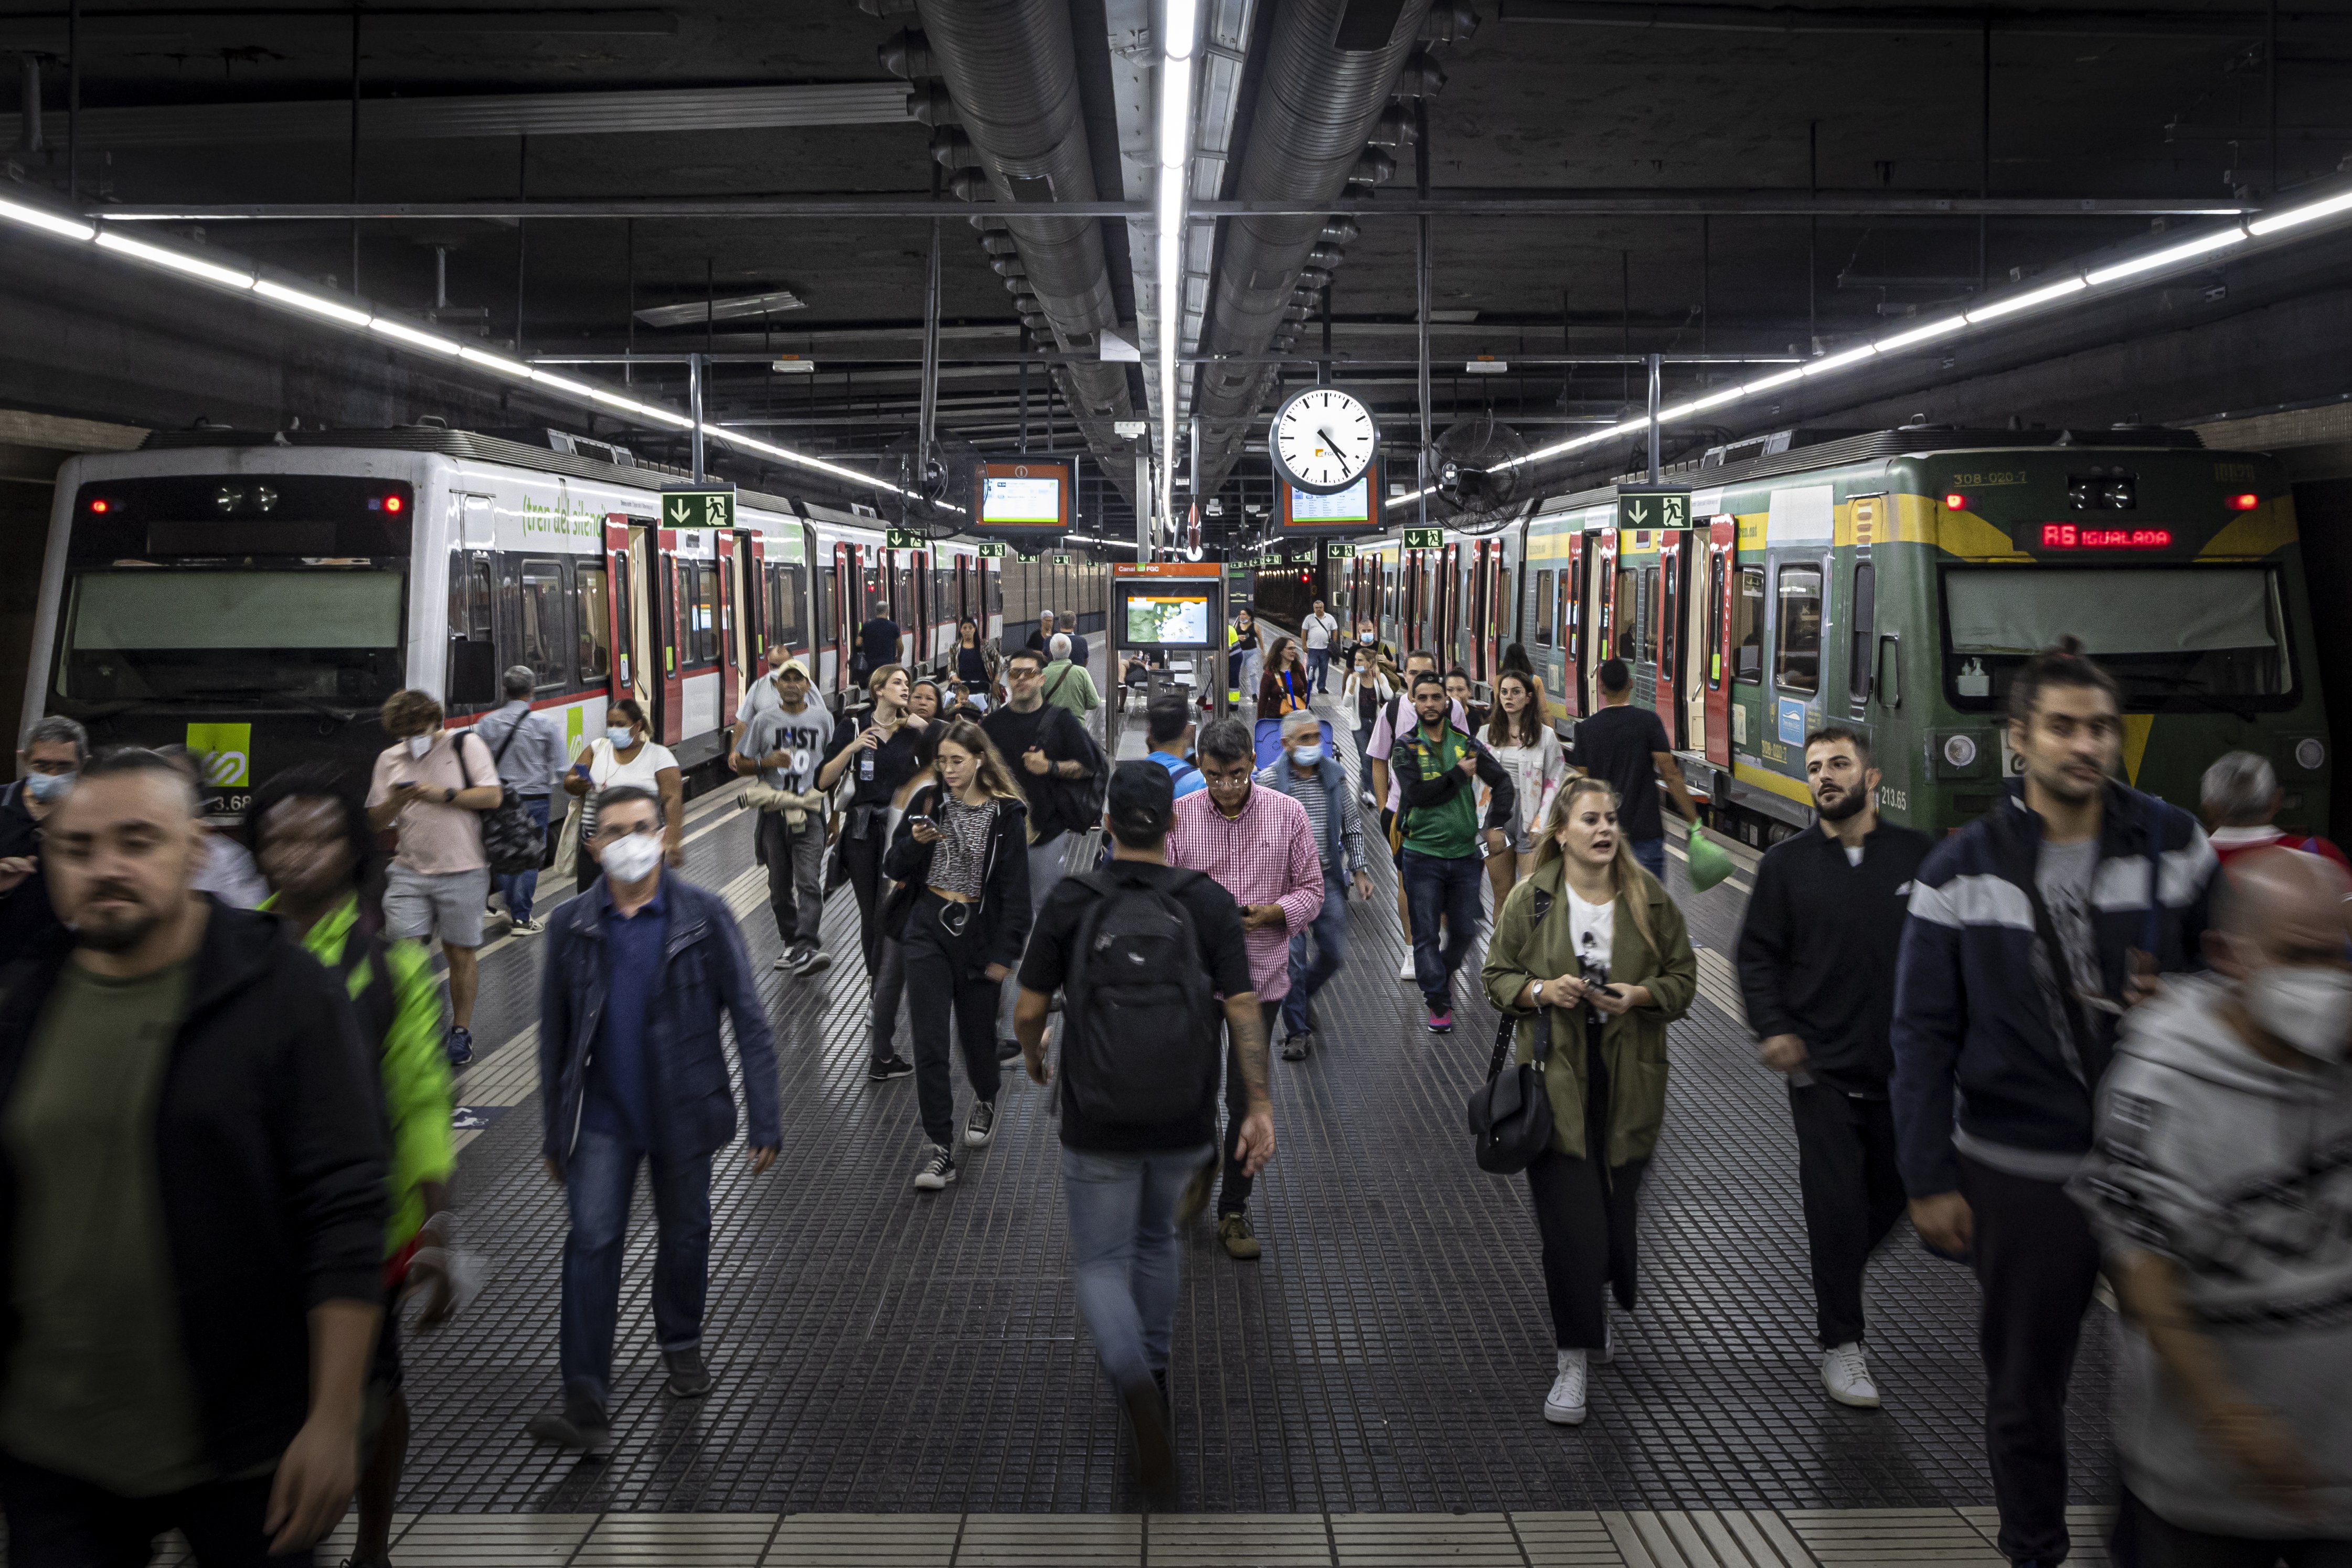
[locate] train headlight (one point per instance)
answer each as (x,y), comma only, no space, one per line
(227,500)
(2309,753)
(1960,751)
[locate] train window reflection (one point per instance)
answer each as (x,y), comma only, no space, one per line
(2199,635)
(1797,665)
(595,624)
(545,639)
(1748,625)
(332,635)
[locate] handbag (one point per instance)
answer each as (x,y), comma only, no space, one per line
(567,843)
(511,842)
(1510,1113)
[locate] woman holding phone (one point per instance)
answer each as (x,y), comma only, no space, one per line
(961,914)
(1589,947)
(881,759)
(1523,742)
(624,756)
(1285,688)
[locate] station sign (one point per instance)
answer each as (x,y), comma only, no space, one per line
(1424,538)
(698,509)
(990,549)
(1653,509)
(1060,557)
(1340,553)
(903,538)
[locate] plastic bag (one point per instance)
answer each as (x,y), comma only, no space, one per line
(1710,863)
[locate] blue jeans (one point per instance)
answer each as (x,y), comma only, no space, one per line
(1319,669)
(522,886)
(598,1182)
(1435,888)
(1651,854)
(1329,939)
(1124,1252)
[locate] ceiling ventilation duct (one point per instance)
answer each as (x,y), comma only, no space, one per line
(1331,67)
(1009,69)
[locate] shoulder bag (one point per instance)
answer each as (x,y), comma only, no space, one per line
(511,842)
(1510,1114)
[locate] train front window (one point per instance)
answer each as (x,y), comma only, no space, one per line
(303,636)
(1748,625)
(1798,666)
(2199,635)
(546,641)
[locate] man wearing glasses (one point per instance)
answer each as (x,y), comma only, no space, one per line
(1056,763)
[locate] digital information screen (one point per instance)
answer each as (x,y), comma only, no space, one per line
(1174,615)
(1352,504)
(1036,502)
(2074,536)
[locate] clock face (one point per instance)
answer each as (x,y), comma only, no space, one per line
(1324,440)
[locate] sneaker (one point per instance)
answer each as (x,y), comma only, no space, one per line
(1196,1193)
(787,958)
(530,927)
(1441,1021)
(460,1047)
(689,1378)
(1564,1406)
(980,1126)
(937,1170)
(1845,1373)
(1007,1050)
(1155,1450)
(814,960)
(889,1067)
(1405,970)
(582,1427)
(1241,1241)
(1298,1048)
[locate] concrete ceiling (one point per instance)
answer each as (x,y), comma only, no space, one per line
(2085,101)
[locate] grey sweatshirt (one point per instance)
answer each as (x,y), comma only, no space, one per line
(2241,1173)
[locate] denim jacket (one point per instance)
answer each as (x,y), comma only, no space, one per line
(704,972)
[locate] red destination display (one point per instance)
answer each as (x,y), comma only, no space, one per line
(2073,536)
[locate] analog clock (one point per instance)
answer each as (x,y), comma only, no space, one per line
(1323,440)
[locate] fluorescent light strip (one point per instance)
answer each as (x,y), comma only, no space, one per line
(177,261)
(1921,334)
(2027,301)
(499,363)
(2295,217)
(1840,362)
(311,304)
(401,332)
(2170,256)
(51,223)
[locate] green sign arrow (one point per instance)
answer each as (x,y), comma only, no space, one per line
(990,549)
(1653,509)
(1060,557)
(1424,538)
(698,509)
(902,538)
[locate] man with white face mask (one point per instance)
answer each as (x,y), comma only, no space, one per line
(50,760)
(2221,1191)
(1310,775)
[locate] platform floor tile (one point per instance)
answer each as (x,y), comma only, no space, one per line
(865,1540)
(1237,1540)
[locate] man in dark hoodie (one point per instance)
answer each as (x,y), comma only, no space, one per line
(2031,930)
(192,1205)
(2220,1190)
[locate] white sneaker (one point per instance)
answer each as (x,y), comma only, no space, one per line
(1845,1373)
(938,1169)
(1564,1406)
(1405,970)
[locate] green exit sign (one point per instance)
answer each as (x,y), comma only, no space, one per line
(903,539)
(1424,538)
(990,549)
(1060,557)
(698,509)
(1340,552)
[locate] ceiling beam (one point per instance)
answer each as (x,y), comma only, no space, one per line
(2090,23)
(151,28)
(1634,203)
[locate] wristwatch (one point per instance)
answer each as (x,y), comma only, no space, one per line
(1534,992)
(448,795)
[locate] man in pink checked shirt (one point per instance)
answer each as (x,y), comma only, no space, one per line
(1258,846)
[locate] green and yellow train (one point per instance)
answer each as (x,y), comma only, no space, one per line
(1894,582)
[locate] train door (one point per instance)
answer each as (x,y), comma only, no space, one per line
(733,664)
(1722,582)
(470,672)
(669,715)
(1667,608)
(1478,605)
(625,627)
(1601,610)
(844,595)
(1570,589)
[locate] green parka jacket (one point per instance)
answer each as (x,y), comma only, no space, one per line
(1632,1044)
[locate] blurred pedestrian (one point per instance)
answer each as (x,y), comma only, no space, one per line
(638,972)
(1310,775)
(961,914)
(48,762)
(2217,1190)
(1817,954)
(526,748)
(1259,846)
(1439,769)
(786,747)
(2031,930)
(310,838)
(2240,797)
(1627,747)
(1061,771)
(433,784)
(1599,981)
(883,1061)
(193,1186)
(1139,1089)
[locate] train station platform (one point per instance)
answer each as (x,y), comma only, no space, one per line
(903,1377)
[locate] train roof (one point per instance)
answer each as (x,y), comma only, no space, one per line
(486,448)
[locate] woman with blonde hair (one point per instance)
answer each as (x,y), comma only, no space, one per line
(1591,955)
(960,916)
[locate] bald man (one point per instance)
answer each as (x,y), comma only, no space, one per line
(2221,1190)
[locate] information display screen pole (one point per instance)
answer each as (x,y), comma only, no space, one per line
(1183,602)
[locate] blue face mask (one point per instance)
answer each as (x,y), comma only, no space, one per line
(48,788)
(620,736)
(1307,755)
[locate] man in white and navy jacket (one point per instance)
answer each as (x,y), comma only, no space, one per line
(2031,930)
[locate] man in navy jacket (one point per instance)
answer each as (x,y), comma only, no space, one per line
(2030,932)
(637,971)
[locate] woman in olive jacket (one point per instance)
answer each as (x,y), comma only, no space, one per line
(1590,943)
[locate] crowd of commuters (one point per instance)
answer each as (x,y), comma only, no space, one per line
(2083,1036)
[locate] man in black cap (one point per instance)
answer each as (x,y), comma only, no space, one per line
(1141,951)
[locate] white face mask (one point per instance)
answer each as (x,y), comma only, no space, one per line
(619,736)
(418,744)
(1307,755)
(2311,1009)
(632,859)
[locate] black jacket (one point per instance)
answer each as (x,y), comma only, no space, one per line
(1003,910)
(271,1145)
(1817,950)
(26,919)
(1057,805)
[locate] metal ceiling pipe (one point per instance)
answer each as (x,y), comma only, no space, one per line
(1330,68)
(1010,66)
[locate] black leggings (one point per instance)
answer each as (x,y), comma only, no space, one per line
(947,974)
(862,859)
(1585,1215)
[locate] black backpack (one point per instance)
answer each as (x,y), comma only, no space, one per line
(511,842)
(1138,1015)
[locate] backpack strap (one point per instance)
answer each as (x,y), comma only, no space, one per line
(377,1002)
